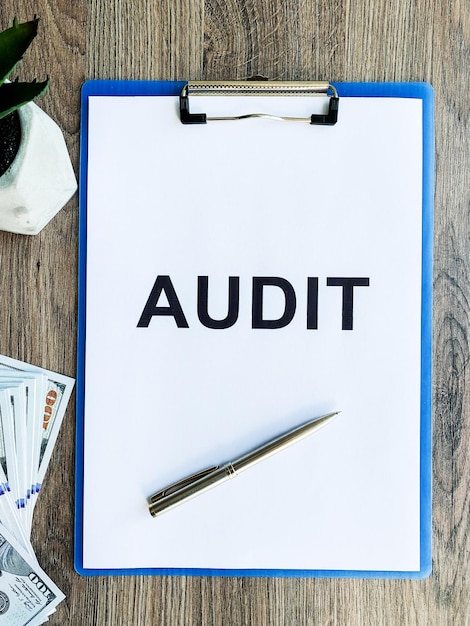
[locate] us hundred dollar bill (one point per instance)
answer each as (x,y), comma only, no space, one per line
(54,404)
(27,594)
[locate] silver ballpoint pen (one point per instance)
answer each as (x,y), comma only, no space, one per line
(196,484)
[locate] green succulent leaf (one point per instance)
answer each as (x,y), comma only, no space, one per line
(15,95)
(13,44)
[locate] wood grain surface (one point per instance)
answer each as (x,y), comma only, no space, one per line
(353,40)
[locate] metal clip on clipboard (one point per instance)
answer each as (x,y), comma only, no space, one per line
(259,88)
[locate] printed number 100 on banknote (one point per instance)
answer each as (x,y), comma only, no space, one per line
(27,594)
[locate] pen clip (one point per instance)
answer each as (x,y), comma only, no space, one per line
(189,480)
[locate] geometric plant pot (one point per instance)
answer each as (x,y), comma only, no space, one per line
(41,180)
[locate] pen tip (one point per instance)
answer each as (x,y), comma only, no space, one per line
(331,416)
(326,418)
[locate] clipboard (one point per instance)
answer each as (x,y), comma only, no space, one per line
(337,212)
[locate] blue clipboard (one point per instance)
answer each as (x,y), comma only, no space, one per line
(420,91)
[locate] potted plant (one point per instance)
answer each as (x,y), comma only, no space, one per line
(36,175)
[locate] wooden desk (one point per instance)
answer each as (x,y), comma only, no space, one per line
(283,39)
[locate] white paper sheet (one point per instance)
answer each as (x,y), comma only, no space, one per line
(254,199)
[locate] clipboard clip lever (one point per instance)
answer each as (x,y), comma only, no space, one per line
(259,88)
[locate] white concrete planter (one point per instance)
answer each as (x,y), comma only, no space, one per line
(41,178)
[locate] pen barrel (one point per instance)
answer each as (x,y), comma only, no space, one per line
(280,443)
(194,485)
(191,490)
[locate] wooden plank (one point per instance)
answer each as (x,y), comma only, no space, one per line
(145,40)
(404,40)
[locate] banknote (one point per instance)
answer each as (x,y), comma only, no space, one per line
(27,594)
(9,516)
(11,410)
(33,402)
(57,395)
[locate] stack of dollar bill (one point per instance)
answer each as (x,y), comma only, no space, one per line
(32,405)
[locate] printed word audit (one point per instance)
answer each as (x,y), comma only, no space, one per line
(164,285)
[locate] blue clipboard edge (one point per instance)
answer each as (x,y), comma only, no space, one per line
(422,91)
